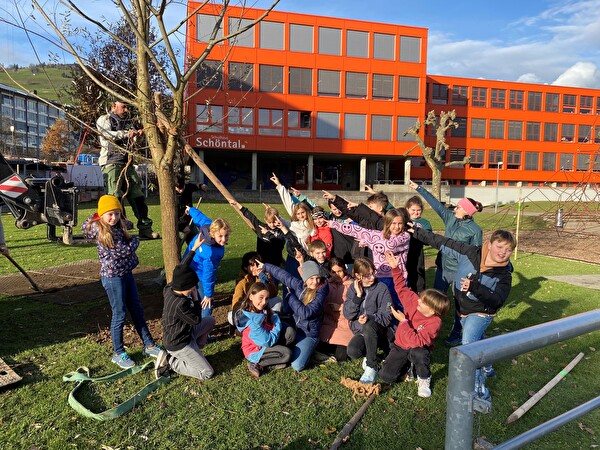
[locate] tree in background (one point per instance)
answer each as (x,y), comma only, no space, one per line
(436,157)
(164,129)
(58,143)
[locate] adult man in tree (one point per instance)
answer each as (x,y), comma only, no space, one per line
(117,132)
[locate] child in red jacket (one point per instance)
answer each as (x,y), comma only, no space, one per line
(419,326)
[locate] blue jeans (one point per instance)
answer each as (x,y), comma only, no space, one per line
(303,351)
(473,327)
(206,312)
(123,296)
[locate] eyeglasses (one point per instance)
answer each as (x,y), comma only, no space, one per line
(368,276)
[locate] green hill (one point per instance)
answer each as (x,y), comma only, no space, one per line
(49,82)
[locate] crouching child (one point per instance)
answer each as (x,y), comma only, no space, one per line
(266,341)
(418,327)
(185,331)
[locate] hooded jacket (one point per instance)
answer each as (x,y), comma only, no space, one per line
(307,317)
(257,333)
(208,257)
(489,287)
(375,302)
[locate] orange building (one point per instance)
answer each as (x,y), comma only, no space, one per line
(324,103)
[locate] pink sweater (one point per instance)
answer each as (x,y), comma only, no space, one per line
(378,244)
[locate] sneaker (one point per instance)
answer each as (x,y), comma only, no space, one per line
(153,351)
(489,372)
(319,357)
(484,394)
(364,364)
(369,376)
(149,235)
(410,375)
(123,360)
(255,369)
(161,365)
(423,387)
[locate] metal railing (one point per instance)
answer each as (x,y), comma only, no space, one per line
(460,396)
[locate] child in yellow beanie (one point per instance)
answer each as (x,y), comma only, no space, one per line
(116,250)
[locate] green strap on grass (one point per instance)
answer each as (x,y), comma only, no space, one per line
(82,376)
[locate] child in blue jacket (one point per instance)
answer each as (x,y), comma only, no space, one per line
(206,261)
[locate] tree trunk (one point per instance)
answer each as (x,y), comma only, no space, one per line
(168,216)
(436,183)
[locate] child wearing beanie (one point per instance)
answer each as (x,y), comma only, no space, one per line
(116,250)
(185,331)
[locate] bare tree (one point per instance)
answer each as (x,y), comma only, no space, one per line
(434,156)
(164,130)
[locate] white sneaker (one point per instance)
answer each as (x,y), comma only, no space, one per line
(369,376)
(424,390)
(161,364)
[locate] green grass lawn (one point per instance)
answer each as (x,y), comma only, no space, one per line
(283,409)
(50,83)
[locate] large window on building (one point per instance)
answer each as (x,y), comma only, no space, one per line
(241,77)
(596,163)
(299,124)
(515,130)
(408,89)
(496,129)
(552,102)
(383,87)
(534,101)
(356,85)
(550,132)
(458,154)
(583,162)
(209,118)
(240,120)
(404,123)
(461,130)
(478,128)
(584,133)
(381,128)
(328,125)
(532,131)
(495,157)
(513,159)
(328,83)
(477,158)
(597,105)
(566,161)
(478,96)
(270,78)
(384,46)
(439,94)
(597,134)
(330,41)
(532,160)
(569,103)
(245,39)
(270,122)
(549,162)
(567,132)
(271,35)
(586,104)
(355,126)
(357,44)
(516,99)
(205,25)
(300,81)
(498,98)
(410,49)
(460,95)
(210,75)
(301,38)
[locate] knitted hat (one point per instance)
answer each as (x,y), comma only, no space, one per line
(318,212)
(468,207)
(310,269)
(108,203)
(184,278)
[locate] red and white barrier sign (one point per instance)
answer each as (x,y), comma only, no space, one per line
(13,187)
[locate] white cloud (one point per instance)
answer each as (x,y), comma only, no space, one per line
(582,74)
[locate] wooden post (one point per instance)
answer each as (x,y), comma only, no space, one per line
(339,439)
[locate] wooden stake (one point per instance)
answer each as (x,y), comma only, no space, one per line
(553,382)
(339,439)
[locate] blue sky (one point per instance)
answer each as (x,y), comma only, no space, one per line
(538,41)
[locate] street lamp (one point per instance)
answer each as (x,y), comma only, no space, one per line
(12,132)
(498,164)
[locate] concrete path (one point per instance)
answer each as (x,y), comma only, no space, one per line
(588,281)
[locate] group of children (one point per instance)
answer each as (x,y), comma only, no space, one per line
(353,286)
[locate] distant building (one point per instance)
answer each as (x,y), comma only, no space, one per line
(24,120)
(324,102)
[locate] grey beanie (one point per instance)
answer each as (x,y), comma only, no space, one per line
(310,269)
